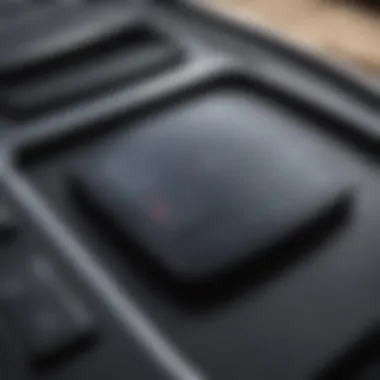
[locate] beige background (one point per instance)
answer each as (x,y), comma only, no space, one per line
(350,33)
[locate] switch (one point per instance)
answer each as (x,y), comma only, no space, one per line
(207,186)
(47,316)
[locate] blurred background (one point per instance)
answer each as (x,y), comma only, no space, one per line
(348,30)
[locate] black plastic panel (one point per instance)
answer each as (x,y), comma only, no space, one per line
(286,138)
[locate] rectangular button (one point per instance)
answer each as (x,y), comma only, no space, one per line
(58,30)
(125,58)
(48,317)
(209,186)
(71,53)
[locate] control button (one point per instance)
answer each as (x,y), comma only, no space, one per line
(68,53)
(48,317)
(208,186)
(95,68)
(57,31)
